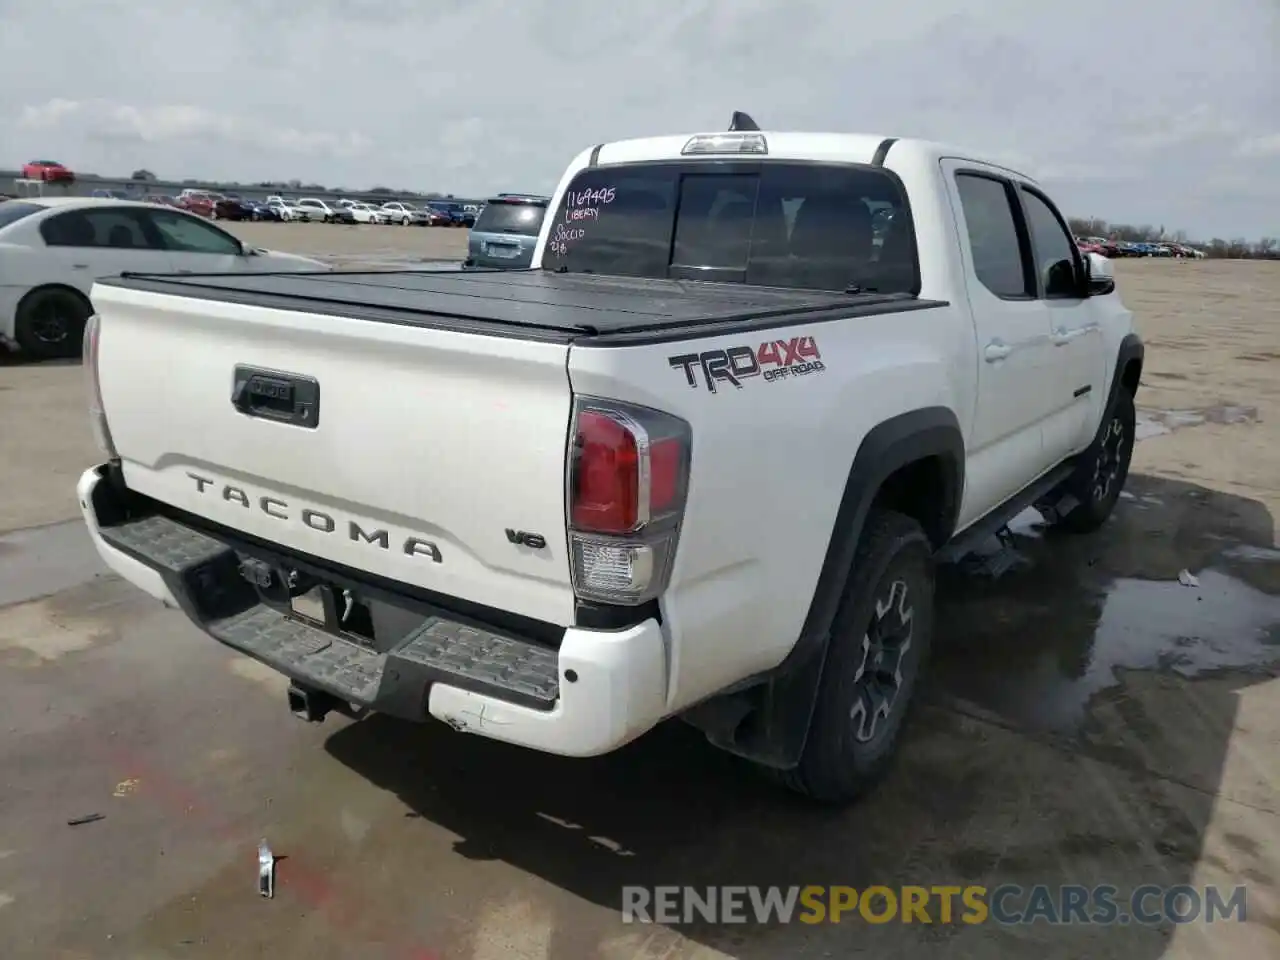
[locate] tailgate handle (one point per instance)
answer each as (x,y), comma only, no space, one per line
(274,395)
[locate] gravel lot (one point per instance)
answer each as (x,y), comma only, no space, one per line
(1089,720)
(357,244)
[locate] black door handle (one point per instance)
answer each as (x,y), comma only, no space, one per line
(275,395)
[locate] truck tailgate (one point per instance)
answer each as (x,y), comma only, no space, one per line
(424,454)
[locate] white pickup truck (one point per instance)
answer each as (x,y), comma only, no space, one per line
(697,462)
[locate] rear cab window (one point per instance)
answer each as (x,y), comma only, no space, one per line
(504,215)
(774,223)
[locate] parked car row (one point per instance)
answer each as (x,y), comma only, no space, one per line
(1130,248)
(218,206)
(229,206)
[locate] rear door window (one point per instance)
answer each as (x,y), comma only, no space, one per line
(503,216)
(776,223)
(121,228)
(994,242)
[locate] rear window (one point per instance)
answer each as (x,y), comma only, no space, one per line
(11,211)
(773,223)
(502,216)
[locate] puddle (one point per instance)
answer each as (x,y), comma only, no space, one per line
(1153,422)
(1037,657)
(1029,523)
(1259,554)
(45,560)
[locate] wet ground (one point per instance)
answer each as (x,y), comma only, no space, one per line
(1107,712)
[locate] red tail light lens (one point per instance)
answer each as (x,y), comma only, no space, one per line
(666,474)
(606,482)
(628,469)
(628,474)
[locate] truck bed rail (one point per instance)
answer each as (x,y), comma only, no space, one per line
(531,304)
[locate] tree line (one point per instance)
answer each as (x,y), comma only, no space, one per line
(1268,248)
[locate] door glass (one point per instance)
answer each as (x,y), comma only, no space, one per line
(1055,251)
(113,228)
(993,236)
(189,235)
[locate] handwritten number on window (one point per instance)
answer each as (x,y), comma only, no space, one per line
(581,208)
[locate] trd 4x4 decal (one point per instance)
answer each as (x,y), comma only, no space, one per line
(772,360)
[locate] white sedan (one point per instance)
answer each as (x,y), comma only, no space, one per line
(401,213)
(53,248)
(367,213)
(316,209)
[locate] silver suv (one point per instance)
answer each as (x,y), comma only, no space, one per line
(506,232)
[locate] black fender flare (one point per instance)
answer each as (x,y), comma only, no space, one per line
(788,691)
(1131,349)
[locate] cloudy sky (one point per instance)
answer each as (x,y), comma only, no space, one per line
(1151,111)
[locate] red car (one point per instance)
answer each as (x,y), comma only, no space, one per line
(1100,245)
(202,203)
(48,170)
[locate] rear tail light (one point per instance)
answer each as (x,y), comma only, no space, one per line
(628,475)
(97,413)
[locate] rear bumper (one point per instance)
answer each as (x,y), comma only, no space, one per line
(600,690)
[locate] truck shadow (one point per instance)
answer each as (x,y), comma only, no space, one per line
(1074,730)
(15,358)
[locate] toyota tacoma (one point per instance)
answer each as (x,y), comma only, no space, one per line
(699,460)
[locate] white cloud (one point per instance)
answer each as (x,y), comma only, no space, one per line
(1201,123)
(1126,112)
(1264,146)
(165,123)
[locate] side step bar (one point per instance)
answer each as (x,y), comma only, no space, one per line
(203,573)
(989,526)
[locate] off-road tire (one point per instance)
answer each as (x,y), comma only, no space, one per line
(892,580)
(49,324)
(1103,470)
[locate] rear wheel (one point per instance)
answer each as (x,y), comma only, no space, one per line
(1102,473)
(879,644)
(50,323)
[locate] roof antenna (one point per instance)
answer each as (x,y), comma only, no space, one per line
(742,121)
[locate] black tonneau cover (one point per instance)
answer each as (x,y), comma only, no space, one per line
(527,303)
